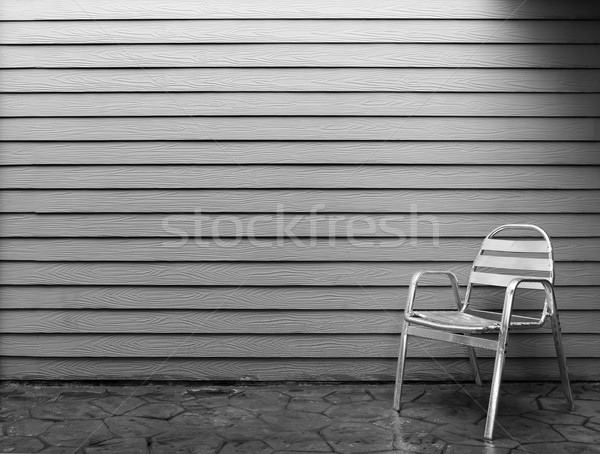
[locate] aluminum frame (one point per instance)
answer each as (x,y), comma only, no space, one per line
(462,325)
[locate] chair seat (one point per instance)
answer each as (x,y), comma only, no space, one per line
(462,322)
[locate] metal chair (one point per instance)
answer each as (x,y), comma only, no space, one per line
(514,261)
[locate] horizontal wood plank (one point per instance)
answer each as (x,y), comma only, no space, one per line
(274,346)
(272,298)
(214,322)
(225,9)
(280,249)
(294,369)
(235,322)
(255,274)
(298,31)
(413,225)
(307,152)
(303,201)
(300,128)
(298,55)
(462,79)
(257,298)
(300,104)
(329,177)
(237,249)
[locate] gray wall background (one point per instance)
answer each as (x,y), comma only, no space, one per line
(152,152)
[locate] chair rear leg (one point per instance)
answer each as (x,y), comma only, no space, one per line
(400,369)
(562,359)
(495,390)
(474,365)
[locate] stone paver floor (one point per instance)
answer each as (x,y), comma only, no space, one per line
(294,418)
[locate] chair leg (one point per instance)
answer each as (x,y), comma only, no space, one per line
(474,365)
(400,369)
(495,390)
(562,359)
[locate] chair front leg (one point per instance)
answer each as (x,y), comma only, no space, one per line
(496,380)
(400,368)
(500,357)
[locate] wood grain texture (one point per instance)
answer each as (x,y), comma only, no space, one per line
(300,104)
(236,249)
(300,201)
(299,31)
(221,9)
(226,298)
(462,79)
(294,369)
(235,322)
(325,177)
(417,225)
(299,128)
(255,274)
(214,322)
(274,346)
(312,152)
(270,298)
(400,138)
(299,55)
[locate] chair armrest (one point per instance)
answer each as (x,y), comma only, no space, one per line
(414,283)
(509,297)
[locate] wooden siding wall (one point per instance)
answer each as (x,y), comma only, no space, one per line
(126,124)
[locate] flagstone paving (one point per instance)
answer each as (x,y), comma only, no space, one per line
(294,418)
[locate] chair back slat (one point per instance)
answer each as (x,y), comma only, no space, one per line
(513,263)
(501,280)
(532,246)
(515,254)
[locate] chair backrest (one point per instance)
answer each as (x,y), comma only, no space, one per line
(514,254)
